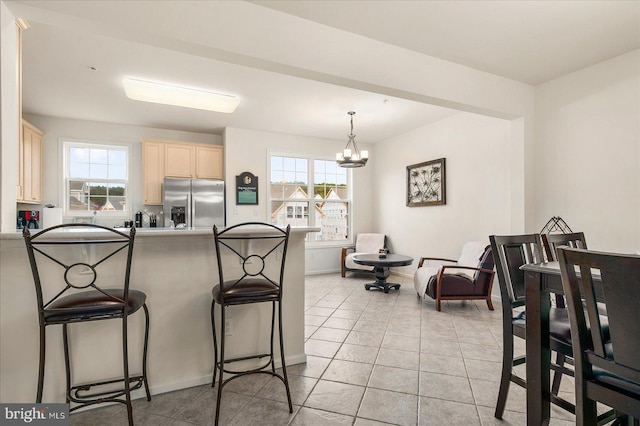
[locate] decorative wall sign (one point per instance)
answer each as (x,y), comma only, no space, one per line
(426,183)
(246,188)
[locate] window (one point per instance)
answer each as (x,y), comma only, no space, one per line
(96,179)
(300,185)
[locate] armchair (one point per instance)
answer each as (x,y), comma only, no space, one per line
(365,243)
(468,278)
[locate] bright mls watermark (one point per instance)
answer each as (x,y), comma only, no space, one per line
(34,414)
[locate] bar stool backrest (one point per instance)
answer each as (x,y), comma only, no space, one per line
(251,252)
(62,263)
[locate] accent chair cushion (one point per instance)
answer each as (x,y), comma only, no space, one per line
(369,243)
(471,253)
(365,244)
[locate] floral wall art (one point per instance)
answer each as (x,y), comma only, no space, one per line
(426,183)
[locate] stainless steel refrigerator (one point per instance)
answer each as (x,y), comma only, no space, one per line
(193,203)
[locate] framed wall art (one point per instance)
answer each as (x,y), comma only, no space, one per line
(246,189)
(426,183)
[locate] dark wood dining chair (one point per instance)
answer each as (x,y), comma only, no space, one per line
(552,241)
(606,356)
(510,253)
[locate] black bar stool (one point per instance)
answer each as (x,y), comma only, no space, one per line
(74,281)
(258,279)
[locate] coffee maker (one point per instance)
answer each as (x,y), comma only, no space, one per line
(28,219)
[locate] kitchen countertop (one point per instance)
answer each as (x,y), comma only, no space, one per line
(143,232)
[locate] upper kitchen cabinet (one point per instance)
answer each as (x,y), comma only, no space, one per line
(179,160)
(208,162)
(162,159)
(152,171)
(30,164)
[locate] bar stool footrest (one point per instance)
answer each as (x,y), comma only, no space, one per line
(74,394)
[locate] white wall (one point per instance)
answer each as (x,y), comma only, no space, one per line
(9,118)
(587,153)
(478,186)
(248,150)
(265,42)
(55,128)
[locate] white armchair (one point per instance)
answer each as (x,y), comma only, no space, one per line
(365,243)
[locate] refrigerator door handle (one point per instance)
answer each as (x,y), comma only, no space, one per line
(192,203)
(190,210)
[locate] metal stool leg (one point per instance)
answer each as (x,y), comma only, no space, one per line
(284,366)
(215,344)
(221,366)
(125,365)
(67,363)
(43,336)
(144,354)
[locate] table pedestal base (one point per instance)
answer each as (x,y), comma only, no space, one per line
(381,274)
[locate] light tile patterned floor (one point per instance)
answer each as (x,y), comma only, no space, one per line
(373,359)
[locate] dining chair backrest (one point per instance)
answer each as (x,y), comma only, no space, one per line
(510,253)
(551,242)
(614,362)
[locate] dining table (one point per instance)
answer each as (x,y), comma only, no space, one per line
(541,279)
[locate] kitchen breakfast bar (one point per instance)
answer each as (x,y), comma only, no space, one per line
(177,270)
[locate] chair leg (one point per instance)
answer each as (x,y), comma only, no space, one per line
(438,305)
(144,352)
(505,378)
(125,367)
(67,363)
(220,366)
(284,366)
(215,344)
(557,376)
(490,303)
(43,336)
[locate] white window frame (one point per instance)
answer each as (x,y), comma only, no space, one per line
(310,200)
(65,145)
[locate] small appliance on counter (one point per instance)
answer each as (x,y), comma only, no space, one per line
(51,216)
(28,219)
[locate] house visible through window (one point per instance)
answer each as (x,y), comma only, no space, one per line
(96,179)
(300,185)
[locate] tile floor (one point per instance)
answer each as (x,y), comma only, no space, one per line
(373,359)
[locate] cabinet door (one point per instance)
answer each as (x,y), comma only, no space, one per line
(153,172)
(208,162)
(31,167)
(178,161)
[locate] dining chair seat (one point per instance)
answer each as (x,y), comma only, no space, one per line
(559,325)
(93,304)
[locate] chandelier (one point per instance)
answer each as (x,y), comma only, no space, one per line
(351,156)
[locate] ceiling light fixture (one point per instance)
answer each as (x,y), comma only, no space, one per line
(351,156)
(162,93)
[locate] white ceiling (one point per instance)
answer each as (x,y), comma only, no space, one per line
(523,40)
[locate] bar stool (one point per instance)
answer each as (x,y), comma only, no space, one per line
(70,274)
(254,254)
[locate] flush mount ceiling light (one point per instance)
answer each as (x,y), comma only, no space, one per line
(162,93)
(351,156)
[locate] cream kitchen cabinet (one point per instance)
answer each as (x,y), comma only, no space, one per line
(208,162)
(30,164)
(162,159)
(152,171)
